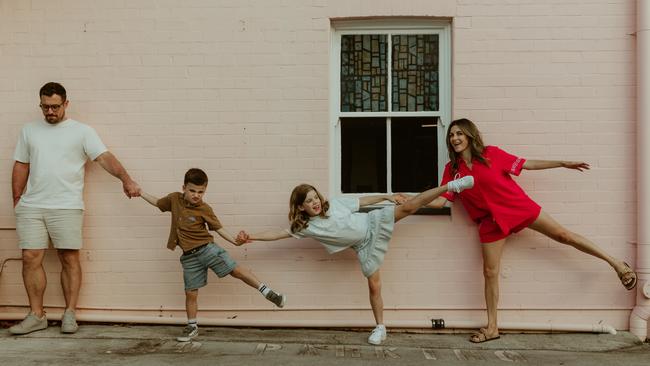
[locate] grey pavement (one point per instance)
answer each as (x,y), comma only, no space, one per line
(101,344)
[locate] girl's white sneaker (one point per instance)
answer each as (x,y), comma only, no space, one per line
(461,184)
(378,335)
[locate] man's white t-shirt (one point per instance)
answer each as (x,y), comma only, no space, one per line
(56,155)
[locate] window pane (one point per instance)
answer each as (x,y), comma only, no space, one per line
(414,154)
(415,73)
(364,73)
(363,155)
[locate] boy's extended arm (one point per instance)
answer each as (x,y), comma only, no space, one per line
(226,235)
(149,198)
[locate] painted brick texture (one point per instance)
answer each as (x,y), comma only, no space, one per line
(241,89)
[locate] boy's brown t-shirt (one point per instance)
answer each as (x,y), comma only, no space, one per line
(188,229)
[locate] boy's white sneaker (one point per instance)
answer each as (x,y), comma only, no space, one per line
(189,332)
(461,184)
(378,335)
(278,299)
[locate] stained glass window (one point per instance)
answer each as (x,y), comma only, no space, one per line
(415,72)
(364,73)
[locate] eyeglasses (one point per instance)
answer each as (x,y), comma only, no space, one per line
(53,107)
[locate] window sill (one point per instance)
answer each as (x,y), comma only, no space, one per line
(445,211)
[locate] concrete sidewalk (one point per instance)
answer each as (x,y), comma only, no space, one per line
(155,345)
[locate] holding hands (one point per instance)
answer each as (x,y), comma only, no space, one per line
(398,198)
(131,188)
(242,238)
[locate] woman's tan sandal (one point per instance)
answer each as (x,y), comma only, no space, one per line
(628,277)
(480,337)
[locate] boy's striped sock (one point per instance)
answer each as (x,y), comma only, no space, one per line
(264,289)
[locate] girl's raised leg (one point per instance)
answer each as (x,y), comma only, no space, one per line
(411,206)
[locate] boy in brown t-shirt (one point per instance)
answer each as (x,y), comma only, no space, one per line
(190,215)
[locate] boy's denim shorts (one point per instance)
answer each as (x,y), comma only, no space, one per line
(195,265)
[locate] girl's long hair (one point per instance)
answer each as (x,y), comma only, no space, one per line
(298,218)
(474,141)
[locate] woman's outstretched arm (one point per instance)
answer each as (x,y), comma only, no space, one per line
(549,164)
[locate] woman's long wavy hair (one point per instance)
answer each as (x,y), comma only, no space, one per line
(474,141)
(298,218)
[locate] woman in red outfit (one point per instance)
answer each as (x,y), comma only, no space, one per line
(500,207)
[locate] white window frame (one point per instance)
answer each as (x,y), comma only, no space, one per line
(389,27)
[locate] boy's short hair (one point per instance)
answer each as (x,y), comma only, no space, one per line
(52,88)
(196,176)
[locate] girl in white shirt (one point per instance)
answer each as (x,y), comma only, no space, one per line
(338,225)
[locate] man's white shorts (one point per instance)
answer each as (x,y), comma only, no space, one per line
(36,225)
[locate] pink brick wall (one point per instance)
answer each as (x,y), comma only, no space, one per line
(242,91)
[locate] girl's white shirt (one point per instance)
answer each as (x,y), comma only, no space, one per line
(343,227)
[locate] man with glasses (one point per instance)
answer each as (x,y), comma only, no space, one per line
(47,185)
